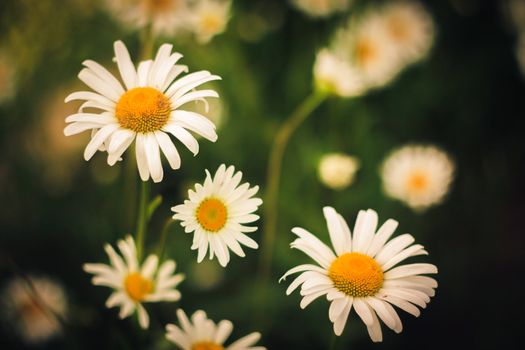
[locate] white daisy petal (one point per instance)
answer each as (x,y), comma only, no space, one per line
(125,66)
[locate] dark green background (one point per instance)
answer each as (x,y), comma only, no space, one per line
(468,97)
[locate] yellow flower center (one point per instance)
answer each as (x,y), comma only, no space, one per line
(206,345)
(143,109)
(356,275)
(137,286)
(365,52)
(417,182)
(212,214)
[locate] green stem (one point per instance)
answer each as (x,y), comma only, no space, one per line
(163,234)
(142,219)
(147,40)
(334,342)
(274,173)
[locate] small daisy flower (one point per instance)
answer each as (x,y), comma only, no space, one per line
(336,76)
(201,333)
(217,212)
(321,8)
(134,284)
(360,272)
(337,170)
(209,18)
(146,109)
(420,176)
(410,28)
(370,50)
(34,307)
(165,16)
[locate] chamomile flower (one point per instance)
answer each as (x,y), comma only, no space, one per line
(336,76)
(337,170)
(35,307)
(410,28)
(217,212)
(360,272)
(134,284)
(208,18)
(165,16)
(146,109)
(201,333)
(321,8)
(366,45)
(418,175)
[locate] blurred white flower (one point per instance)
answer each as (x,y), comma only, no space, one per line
(418,175)
(367,46)
(336,76)
(337,170)
(360,272)
(7,77)
(516,11)
(321,8)
(35,307)
(410,28)
(201,333)
(165,16)
(217,211)
(208,18)
(146,110)
(133,284)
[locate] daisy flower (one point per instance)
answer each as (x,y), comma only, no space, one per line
(146,109)
(366,45)
(165,16)
(360,272)
(410,28)
(321,8)
(34,307)
(337,170)
(336,76)
(418,175)
(133,284)
(217,211)
(201,333)
(209,18)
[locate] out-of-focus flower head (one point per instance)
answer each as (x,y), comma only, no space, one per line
(165,16)
(335,76)
(373,48)
(201,333)
(321,8)
(410,28)
(366,45)
(337,170)
(7,77)
(520,53)
(208,18)
(34,306)
(418,175)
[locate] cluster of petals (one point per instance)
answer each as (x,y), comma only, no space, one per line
(401,286)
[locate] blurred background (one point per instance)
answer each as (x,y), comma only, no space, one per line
(466,97)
